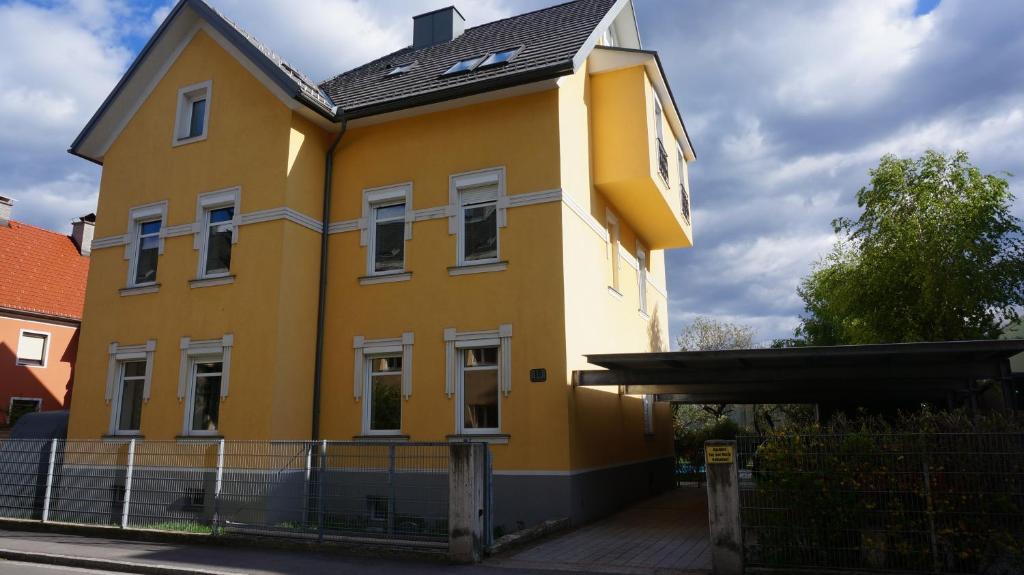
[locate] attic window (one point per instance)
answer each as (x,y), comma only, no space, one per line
(401,69)
(502,57)
(193,113)
(463,66)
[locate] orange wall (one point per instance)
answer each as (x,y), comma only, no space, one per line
(52,383)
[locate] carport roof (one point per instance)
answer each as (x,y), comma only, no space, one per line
(861,373)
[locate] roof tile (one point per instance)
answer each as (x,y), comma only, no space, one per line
(41,272)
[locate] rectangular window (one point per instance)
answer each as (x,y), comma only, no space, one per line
(641,260)
(197,118)
(383,394)
(463,66)
(478,212)
(32,348)
(387,240)
(193,113)
(20,406)
(684,194)
(502,57)
(128,402)
(147,252)
(479,385)
(205,390)
(217,243)
(613,246)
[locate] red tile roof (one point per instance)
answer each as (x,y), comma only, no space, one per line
(41,272)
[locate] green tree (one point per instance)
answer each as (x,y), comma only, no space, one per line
(934,255)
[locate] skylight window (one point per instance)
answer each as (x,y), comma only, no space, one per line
(401,69)
(502,57)
(463,66)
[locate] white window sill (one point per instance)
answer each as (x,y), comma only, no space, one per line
(199,438)
(139,290)
(122,436)
(643,315)
(214,281)
(614,293)
(381,437)
(385,278)
(21,363)
(465,269)
(491,438)
(184,141)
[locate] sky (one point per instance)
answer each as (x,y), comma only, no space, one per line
(789,104)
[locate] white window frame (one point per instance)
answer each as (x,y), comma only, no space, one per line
(10,405)
(368,347)
(610,38)
(117,355)
(455,342)
(659,120)
(368,394)
(183,117)
(46,349)
(205,204)
(647,405)
(136,217)
(457,183)
(199,351)
(614,245)
(641,274)
(382,197)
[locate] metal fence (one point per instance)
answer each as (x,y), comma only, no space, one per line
(951,503)
(389,492)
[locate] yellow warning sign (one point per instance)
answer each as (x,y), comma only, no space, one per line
(718,454)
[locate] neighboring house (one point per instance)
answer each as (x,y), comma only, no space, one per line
(498,202)
(42,290)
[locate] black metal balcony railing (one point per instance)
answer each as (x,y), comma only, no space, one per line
(662,160)
(685,197)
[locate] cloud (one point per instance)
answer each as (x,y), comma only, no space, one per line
(789,104)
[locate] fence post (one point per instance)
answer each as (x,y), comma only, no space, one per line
(467,468)
(305,486)
(128,484)
(724,507)
(320,491)
(391,488)
(216,487)
(49,480)
(930,512)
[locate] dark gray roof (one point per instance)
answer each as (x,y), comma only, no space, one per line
(549,38)
(309,88)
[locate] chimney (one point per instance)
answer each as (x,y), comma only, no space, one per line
(6,205)
(82,231)
(436,27)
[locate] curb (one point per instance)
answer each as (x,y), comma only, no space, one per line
(106,564)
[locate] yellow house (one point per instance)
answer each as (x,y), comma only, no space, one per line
(420,249)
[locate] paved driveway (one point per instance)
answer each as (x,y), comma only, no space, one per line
(665,534)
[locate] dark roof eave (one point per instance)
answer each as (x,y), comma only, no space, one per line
(540,74)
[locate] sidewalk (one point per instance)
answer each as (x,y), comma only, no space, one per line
(110,554)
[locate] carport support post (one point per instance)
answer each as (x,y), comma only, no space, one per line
(467,470)
(724,507)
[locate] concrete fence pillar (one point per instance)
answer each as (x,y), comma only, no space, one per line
(467,472)
(724,507)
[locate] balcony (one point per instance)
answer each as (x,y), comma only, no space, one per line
(631,165)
